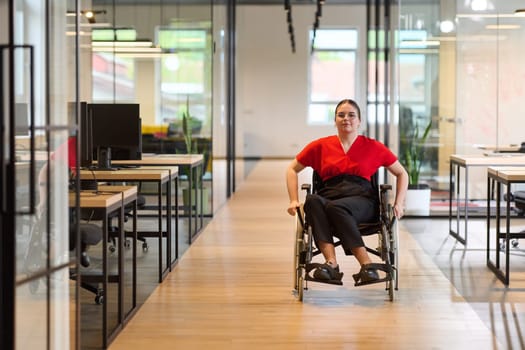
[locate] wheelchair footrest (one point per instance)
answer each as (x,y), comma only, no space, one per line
(336,276)
(364,277)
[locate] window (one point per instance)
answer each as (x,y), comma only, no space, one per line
(332,72)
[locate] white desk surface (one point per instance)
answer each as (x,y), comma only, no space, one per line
(505,148)
(510,159)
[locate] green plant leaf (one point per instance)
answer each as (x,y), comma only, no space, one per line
(415,152)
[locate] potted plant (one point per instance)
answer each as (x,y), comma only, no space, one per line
(192,147)
(417,201)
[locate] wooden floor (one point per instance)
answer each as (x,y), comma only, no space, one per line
(232,289)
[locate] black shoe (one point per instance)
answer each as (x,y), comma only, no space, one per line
(326,272)
(369,274)
(366,275)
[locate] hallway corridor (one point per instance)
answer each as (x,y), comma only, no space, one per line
(232,289)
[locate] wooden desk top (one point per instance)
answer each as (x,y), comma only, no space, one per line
(174,170)
(89,199)
(134,174)
(165,159)
(507,173)
(508,159)
(127,191)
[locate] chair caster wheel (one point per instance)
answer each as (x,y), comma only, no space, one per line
(99,299)
(112,249)
(144,247)
(127,243)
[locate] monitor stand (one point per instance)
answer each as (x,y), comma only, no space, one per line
(104,159)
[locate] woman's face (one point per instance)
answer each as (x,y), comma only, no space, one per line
(347,119)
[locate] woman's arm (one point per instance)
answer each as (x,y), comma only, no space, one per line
(401,175)
(292,184)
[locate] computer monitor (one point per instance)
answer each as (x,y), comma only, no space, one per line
(85,134)
(116,132)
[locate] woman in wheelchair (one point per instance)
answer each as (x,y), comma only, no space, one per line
(345,163)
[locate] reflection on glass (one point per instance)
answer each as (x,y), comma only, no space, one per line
(31,315)
(60,304)
(332,70)
(31,245)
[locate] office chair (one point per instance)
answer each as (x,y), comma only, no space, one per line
(113,230)
(94,215)
(90,234)
(518,197)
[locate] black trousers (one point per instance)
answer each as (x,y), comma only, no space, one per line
(339,218)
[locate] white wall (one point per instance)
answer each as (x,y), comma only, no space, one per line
(272,82)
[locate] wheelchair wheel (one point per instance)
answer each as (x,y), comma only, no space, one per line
(300,255)
(297,251)
(391,241)
(395,254)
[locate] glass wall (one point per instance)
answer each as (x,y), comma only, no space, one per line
(219,102)
(422,59)
(159,55)
(490,52)
(458,68)
(333,66)
(36,90)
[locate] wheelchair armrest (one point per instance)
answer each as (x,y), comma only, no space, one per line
(385,187)
(306,187)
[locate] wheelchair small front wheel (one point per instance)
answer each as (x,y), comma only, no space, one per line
(300,288)
(391,285)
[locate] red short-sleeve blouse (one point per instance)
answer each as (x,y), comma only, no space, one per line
(326,156)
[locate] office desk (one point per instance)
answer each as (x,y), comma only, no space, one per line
(173,247)
(498,176)
(161,177)
(457,162)
(500,148)
(193,163)
(129,199)
(109,203)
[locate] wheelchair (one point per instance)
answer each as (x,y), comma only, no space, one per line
(385,226)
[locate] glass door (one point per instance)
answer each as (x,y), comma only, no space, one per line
(38,78)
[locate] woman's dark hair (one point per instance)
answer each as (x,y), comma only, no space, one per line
(351,102)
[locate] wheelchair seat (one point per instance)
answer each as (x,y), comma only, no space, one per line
(384,226)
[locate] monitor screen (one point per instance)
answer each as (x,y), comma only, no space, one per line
(116,132)
(85,134)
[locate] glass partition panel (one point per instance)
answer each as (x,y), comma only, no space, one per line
(426,42)
(219,100)
(458,63)
(42,247)
(490,100)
